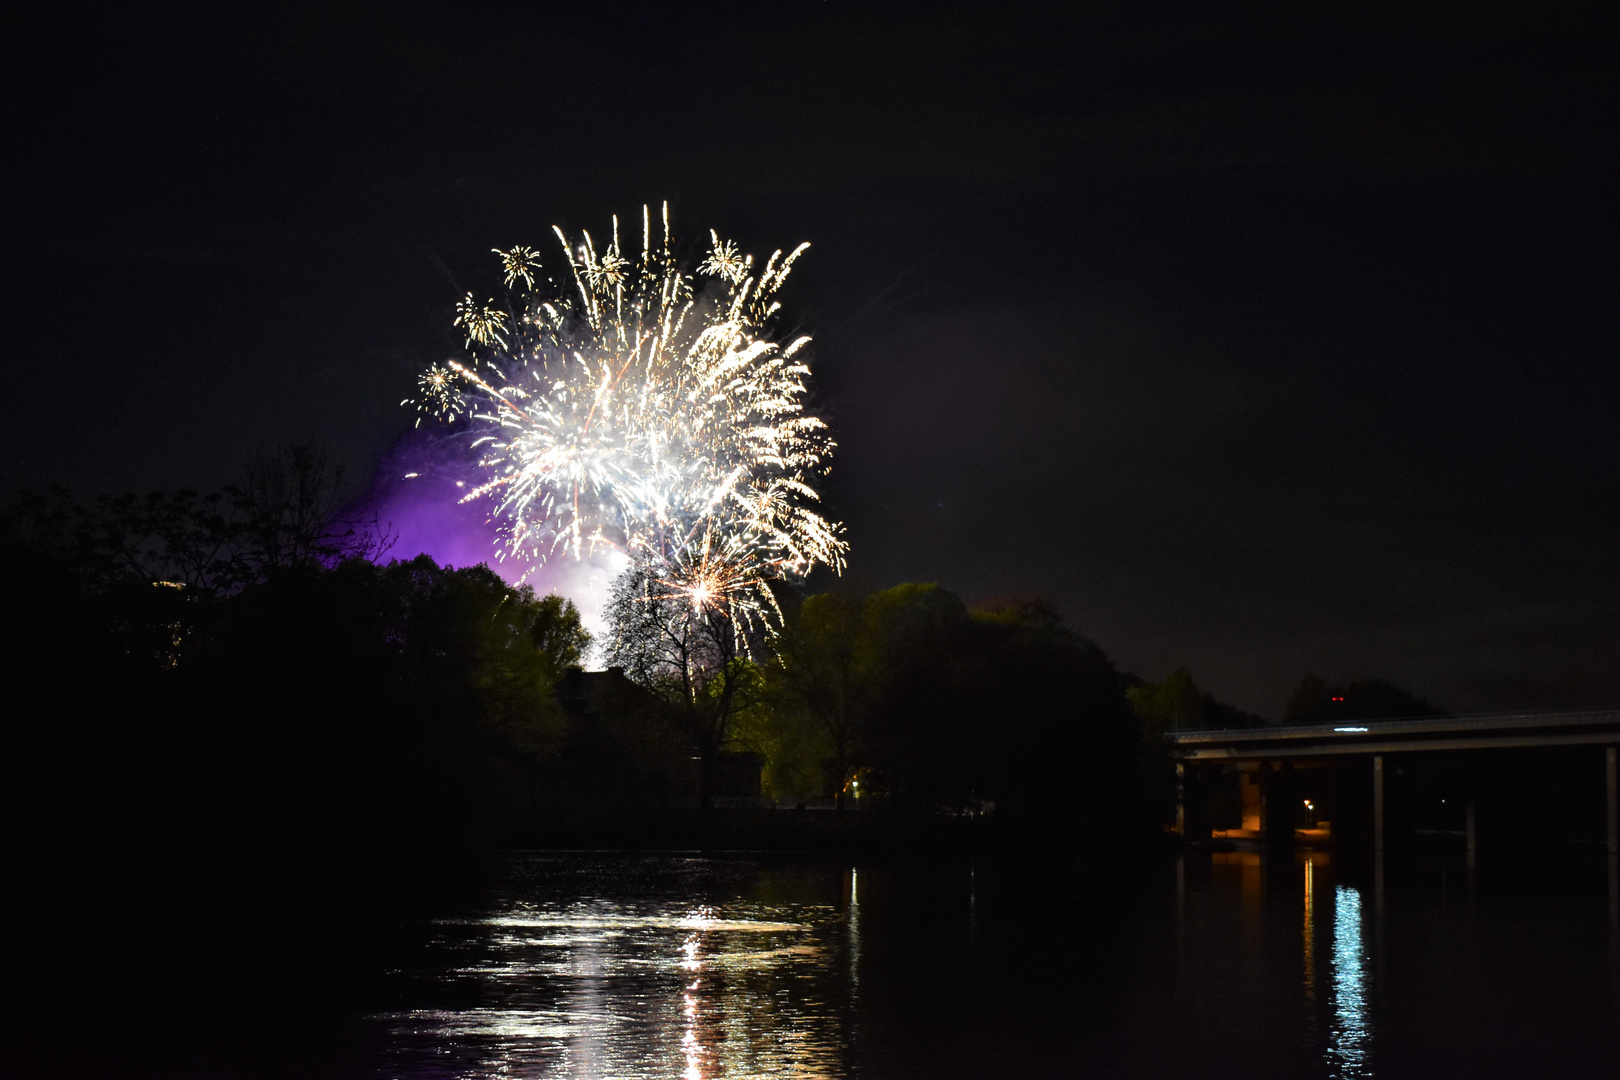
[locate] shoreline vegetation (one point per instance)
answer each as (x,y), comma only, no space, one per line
(250,664)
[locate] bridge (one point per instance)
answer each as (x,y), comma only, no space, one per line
(1519,780)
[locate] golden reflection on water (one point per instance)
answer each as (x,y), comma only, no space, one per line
(593,989)
(1310,937)
(854,932)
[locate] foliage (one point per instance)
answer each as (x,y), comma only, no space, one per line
(417,678)
(290,510)
(691,657)
(1317,702)
(1176,704)
(1061,740)
(937,707)
(507,646)
(823,686)
(293,509)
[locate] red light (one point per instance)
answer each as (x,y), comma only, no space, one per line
(1338,699)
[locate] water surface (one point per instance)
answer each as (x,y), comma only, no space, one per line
(669,966)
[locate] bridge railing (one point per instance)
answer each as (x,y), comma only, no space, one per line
(1481,722)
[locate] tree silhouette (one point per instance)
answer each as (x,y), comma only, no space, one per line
(1317,702)
(292,510)
(829,660)
(692,656)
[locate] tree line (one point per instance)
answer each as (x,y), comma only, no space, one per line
(249,662)
(904,700)
(1175,703)
(248,666)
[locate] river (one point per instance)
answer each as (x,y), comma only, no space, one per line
(623,966)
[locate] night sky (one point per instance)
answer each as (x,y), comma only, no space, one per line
(1260,338)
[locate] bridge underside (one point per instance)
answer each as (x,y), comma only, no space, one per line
(1517,781)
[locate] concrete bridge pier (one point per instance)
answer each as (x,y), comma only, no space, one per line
(1378,840)
(1429,775)
(1281,796)
(1378,804)
(1473,841)
(1614,841)
(1614,802)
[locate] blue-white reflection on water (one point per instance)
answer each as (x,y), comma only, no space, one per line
(1350,1029)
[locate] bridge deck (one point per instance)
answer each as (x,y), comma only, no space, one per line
(1496,731)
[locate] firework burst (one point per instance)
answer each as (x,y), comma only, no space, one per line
(481,322)
(638,405)
(439,392)
(520,262)
(717,576)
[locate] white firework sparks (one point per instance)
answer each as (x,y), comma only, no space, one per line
(635,407)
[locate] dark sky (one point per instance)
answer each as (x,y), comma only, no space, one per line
(1261,338)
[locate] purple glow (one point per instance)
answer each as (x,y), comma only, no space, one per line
(417,496)
(424,513)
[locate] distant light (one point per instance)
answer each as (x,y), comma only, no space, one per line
(1350,730)
(412,475)
(1338,699)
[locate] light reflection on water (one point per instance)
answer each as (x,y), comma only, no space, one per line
(1350,1031)
(599,988)
(640,966)
(1310,941)
(854,932)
